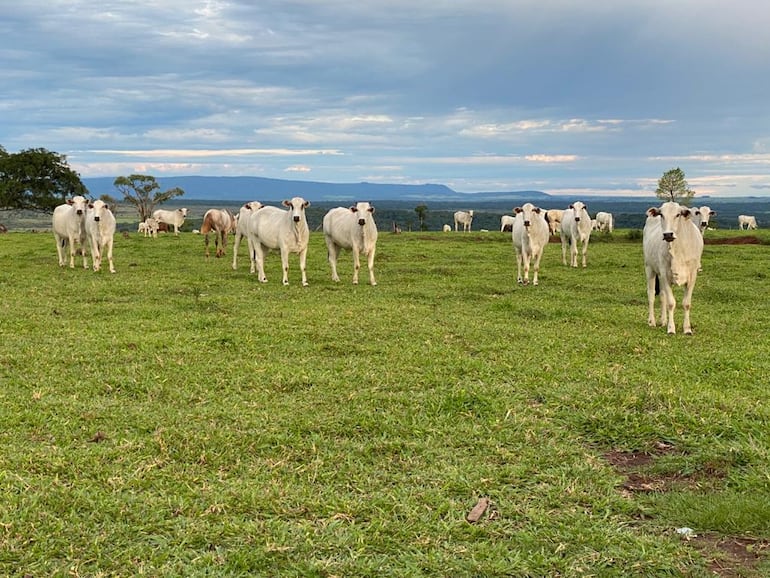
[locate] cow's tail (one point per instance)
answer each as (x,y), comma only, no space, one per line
(657,285)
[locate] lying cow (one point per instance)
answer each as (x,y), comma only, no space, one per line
(673,246)
(351,228)
(69,227)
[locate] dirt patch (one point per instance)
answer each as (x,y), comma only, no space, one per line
(730,556)
(743,240)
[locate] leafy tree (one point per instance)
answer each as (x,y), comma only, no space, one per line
(422,212)
(143,191)
(672,186)
(37,180)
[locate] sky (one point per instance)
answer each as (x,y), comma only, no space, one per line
(570,97)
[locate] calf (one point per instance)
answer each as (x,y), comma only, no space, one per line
(352,228)
(274,228)
(530,236)
(100,228)
(672,254)
(69,227)
(221,222)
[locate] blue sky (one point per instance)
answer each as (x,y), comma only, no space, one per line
(580,97)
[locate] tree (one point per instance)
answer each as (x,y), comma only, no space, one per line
(422,212)
(143,191)
(37,180)
(672,186)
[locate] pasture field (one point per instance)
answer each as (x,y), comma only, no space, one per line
(178,418)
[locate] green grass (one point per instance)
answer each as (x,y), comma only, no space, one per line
(179,418)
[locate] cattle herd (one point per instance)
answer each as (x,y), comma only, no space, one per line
(672,239)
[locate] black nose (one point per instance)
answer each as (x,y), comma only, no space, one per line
(296,219)
(577,219)
(526,223)
(361,222)
(668,237)
(96,218)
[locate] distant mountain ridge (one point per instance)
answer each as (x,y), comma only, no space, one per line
(266,189)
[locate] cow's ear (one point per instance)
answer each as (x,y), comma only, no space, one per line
(69,201)
(686,213)
(306,205)
(571,207)
(353,209)
(371,209)
(712,213)
(652,212)
(286,203)
(517,210)
(537,210)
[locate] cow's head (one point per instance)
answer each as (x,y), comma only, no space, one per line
(672,217)
(296,206)
(80,204)
(363,210)
(528,212)
(183,212)
(98,208)
(577,209)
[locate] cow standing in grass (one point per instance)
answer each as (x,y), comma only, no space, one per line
(100,228)
(530,236)
(69,227)
(175,218)
(274,228)
(221,222)
(464,218)
(701,216)
(673,246)
(242,230)
(351,228)
(575,231)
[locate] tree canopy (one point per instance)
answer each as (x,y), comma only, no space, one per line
(143,191)
(672,186)
(37,180)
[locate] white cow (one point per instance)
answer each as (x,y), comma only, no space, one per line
(747,222)
(530,235)
(242,230)
(605,222)
(672,254)
(553,217)
(175,218)
(575,229)
(149,227)
(464,218)
(351,228)
(69,226)
(701,216)
(506,223)
(447,228)
(100,228)
(274,228)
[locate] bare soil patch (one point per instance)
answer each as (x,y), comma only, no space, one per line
(743,240)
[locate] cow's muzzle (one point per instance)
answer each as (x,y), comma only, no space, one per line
(668,237)
(362,222)
(96,219)
(296,218)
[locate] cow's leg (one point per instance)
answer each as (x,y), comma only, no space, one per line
(259,258)
(536,266)
(206,244)
(573,251)
(370,264)
(651,276)
(109,255)
(303,265)
(585,251)
(60,242)
(687,304)
(669,306)
(285,265)
(526,258)
(333,252)
(356,264)
(563,250)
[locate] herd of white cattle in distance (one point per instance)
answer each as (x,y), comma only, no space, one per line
(672,239)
